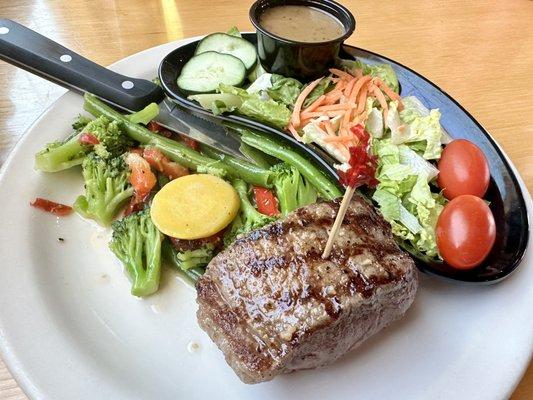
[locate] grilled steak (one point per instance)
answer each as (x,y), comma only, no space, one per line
(273,305)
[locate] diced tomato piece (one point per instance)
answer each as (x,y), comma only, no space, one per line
(266,201)
(87,138)
(189,142)
(136,204)
(142,178)
(137,150)
(51,207)
(155,127)
(363,165)
(161,163)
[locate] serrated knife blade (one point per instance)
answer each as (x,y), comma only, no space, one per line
(175,119)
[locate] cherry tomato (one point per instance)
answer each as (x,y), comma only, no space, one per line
(463,169)
(266,201)
(465,232)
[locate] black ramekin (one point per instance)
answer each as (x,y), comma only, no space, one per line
(300,60)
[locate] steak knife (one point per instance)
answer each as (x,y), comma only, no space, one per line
(41,56)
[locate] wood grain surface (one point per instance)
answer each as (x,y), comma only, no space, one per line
(480,52)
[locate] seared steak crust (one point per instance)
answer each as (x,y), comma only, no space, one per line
(273,305)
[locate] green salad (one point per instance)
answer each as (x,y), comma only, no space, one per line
(406,137)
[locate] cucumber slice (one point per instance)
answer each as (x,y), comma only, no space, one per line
(227,44)
(205,72)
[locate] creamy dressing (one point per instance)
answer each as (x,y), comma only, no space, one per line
(301,23)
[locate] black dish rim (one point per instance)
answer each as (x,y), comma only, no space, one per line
(325,161)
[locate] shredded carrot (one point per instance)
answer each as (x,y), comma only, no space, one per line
(314,104)
(380,97)
(315,114)
(343,149)
(345,121)
(329,128)
(340,73)
(295,118)
(333,96)
(382,101)
(341,139)
(341,85)
(386,89)
(355,91)
(295,133)
(349,87)
(335,107)
(361,100)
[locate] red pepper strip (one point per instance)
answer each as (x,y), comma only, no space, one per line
(155,127)
(266,201)
(189,142)
(87,138)
(136,204)
(363,165)
(51,207)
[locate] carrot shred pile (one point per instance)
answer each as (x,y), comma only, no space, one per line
(341,109)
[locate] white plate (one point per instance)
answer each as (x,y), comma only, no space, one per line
(69,329)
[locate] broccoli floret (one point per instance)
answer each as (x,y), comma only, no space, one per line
(80,122)
(292,190)
(113,140)
(249,218)
(192,259)
(107,188)
(137,243)
(172,256)
(58,156)
(234,229)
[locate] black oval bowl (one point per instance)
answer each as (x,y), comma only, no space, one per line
(505,196)
(291,58)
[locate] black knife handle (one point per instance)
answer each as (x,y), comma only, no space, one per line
(41,56)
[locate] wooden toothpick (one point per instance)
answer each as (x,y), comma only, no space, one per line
(338,220)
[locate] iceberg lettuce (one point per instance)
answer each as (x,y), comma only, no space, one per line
(404,195)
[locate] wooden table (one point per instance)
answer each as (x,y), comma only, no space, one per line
(480,52)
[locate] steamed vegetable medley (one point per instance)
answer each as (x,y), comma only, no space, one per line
(406,138)
(167,197)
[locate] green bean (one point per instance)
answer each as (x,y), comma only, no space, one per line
(327,188)
(242,169)
(172,149)
(261,159)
